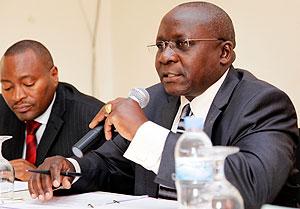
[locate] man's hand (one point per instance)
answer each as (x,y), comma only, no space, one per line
(42,185)
(20,167)
(126,117)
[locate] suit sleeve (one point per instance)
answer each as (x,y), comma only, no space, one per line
(106,169)
(267,137)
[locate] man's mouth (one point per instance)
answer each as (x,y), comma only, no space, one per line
(22,108)
(170,77)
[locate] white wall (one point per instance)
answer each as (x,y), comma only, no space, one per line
(267,35)
(60,26)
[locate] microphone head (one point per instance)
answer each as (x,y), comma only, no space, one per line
(140,95)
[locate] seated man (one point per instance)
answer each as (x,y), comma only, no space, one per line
(31,92)
(195,51)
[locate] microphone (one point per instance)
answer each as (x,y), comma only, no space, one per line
(140,95)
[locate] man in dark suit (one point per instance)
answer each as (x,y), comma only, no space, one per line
(194,59)
(31,91)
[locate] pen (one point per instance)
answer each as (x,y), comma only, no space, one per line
(126,200)
(62,173)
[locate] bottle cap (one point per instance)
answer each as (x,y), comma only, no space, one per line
(192,123)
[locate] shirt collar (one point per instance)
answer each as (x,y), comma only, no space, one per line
(200,105)
(43,118)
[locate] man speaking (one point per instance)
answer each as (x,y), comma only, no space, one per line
(195,51)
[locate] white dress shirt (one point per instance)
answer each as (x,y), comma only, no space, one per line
(43,120)
(147,145)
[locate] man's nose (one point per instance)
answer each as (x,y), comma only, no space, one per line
(19,94)
(167,56)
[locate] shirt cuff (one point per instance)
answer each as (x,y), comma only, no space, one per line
(77,168)
(147,146)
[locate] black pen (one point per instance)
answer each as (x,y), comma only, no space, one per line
(62,173)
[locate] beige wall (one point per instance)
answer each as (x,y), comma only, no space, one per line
(267,39)
(60,25)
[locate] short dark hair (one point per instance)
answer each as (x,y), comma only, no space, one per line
(39,49)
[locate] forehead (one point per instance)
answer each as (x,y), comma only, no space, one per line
(185,22)
(20,64)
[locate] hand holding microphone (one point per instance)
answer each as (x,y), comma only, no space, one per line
(122,114)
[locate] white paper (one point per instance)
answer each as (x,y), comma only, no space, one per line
(267,206)
(20,186)
(95,200)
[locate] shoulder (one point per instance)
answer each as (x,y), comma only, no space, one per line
(261,104)
(250,87)
(157,91)
(158,95)
(73,95)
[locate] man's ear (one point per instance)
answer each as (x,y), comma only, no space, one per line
(54,74)
(227,55)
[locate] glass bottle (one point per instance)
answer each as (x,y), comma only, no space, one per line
(7,175)
(192,170)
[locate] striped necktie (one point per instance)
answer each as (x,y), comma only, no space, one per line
(167,192)
(31,128)
(186,111)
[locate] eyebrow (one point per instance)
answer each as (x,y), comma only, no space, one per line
(22,78)
(176,37)
(4,80)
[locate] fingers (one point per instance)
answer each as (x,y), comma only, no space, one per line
(108,129)
(21,162)
(98,118)
(20,166)
(66,182)
(41,185)
(35,187)
(47,188)
(55,169)
(103,113)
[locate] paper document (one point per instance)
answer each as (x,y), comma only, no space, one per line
(268,206)
(20,186)
(95,200)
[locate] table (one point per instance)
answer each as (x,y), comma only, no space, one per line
(103,200)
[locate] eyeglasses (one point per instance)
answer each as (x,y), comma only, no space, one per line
(180,44)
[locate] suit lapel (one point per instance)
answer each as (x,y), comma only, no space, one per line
(169,111)
(221,100)
(19,140)
(53,126)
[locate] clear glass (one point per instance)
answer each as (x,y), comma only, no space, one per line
(203,184)
(7,175)
(224,194)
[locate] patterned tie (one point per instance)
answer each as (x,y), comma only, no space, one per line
(31,128)
(186,111)
(167,192)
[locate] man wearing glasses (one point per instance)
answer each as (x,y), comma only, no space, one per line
(195,51)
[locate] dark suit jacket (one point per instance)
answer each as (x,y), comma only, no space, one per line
(246,112)
(68,122)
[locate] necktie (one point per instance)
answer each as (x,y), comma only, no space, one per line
(31,128)
(186,111)
(167,192)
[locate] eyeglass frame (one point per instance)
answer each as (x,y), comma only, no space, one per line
(173,44)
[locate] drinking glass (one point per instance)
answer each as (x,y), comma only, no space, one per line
(224,194)
(7,175)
